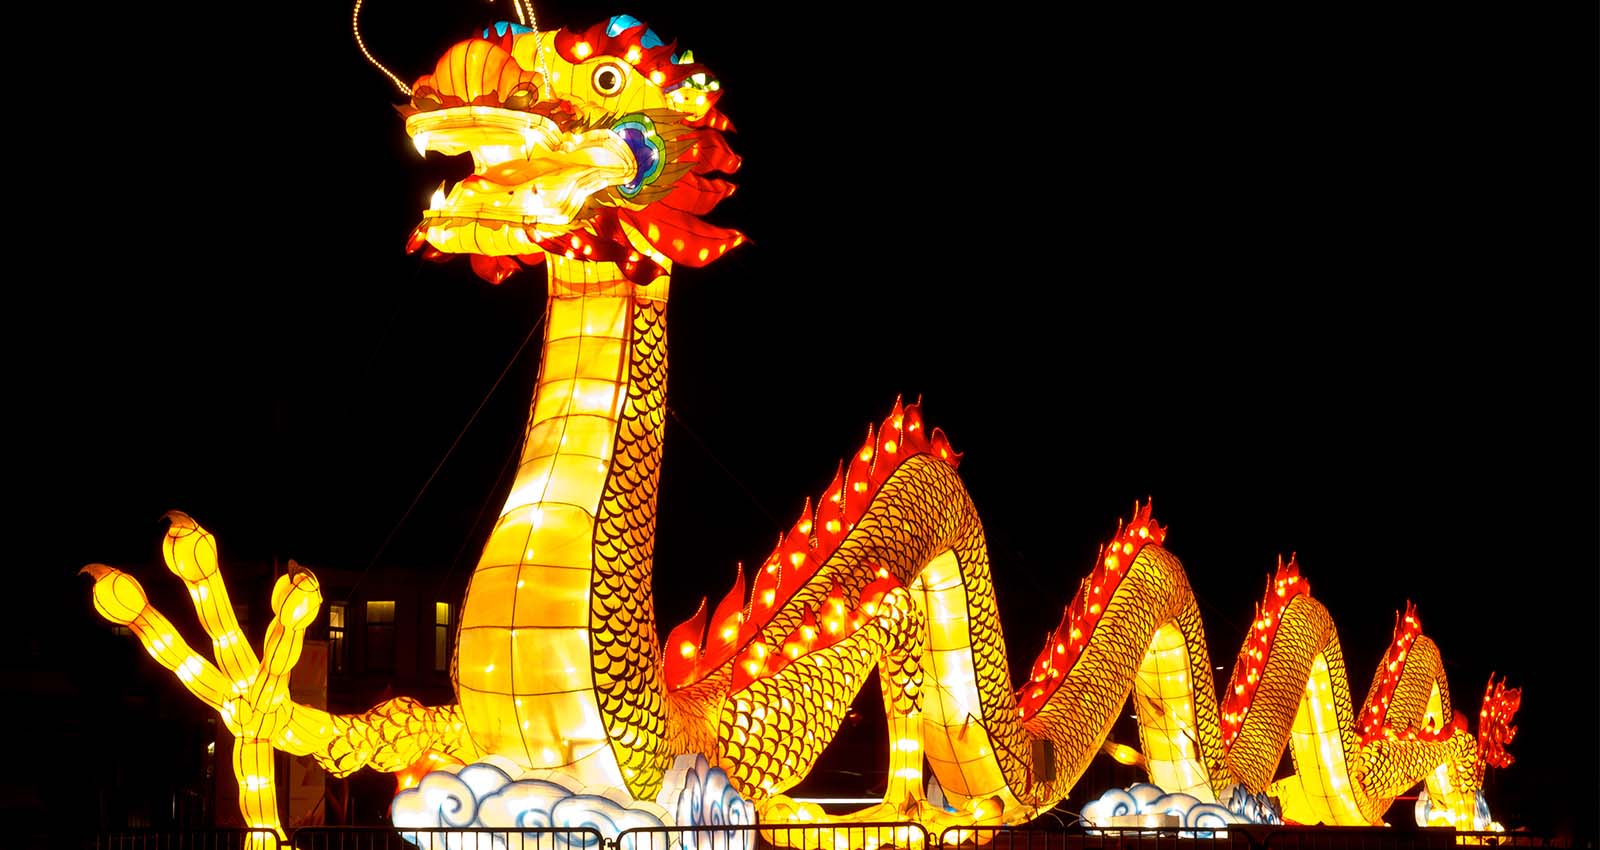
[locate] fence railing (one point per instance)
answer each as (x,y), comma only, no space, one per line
(172,839)
(1097,838)
(838,836)
(475,838)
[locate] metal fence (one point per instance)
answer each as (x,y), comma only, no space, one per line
(1235,837)
(861,836)
(170,839)
(837,836)
(1101,838)
(388,838)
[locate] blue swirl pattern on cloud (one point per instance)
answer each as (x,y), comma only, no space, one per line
(1428,814)
(708,799)
(484,795)
(695,796)
(1237,805)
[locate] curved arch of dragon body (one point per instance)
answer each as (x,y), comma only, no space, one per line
(592,154)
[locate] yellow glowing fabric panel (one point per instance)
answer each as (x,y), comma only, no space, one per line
(523,667)
(958,748)
(1163,701)
(1319,756)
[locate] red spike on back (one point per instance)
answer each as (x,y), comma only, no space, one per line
(830,514)
(1500,705)
(729,614)
(718,644)
(808,522)
(763,595)
(1285,584)
(1374,715)
(890,444)
(683,646)
(814,538)
(941,449)
(858,480)
(1088,605)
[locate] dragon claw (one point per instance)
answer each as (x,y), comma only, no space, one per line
(250,696)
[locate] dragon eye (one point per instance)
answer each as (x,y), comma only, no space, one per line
(608,78)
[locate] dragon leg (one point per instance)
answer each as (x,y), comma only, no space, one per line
(252,694)
(901,678)
(773,727)
(890,633)
(252,697)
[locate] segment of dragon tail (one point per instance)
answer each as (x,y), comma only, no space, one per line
(810,542)
(1133,628)
(820,628)
(1285,585)
(1083,614)
(1418,712)
(1500,705)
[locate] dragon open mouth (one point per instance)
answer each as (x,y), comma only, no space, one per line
(597,146)
(530,177)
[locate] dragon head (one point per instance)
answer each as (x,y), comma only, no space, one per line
(596,145)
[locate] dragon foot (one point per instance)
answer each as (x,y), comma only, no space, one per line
(251,693)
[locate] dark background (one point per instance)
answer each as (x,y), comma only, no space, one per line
(1316,280)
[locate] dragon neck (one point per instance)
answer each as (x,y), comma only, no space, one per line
(561,598)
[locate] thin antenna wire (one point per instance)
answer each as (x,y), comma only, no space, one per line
(538,40)
(724,467)
(409,508)
(521,17)
(355,26)
(472,530)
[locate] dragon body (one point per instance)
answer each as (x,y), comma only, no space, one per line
(595,153)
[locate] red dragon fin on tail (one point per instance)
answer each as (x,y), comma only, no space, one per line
(1500,705)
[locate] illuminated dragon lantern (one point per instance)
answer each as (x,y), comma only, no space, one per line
(593,153)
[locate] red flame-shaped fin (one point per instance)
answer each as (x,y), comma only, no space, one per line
(1285,584)
(1374,714)
(833,623)
(1088,606)
(808,544)
(683,645)
(1500,705)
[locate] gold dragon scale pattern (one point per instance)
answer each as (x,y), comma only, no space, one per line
(605,144)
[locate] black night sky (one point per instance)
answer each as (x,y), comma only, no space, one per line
(1318,281)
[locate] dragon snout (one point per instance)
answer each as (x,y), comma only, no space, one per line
(528,172)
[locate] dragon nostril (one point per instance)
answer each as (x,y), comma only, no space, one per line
(522,97)
(426,99)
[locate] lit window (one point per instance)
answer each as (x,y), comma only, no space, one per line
(336,637)
(441,636)
(380,635)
